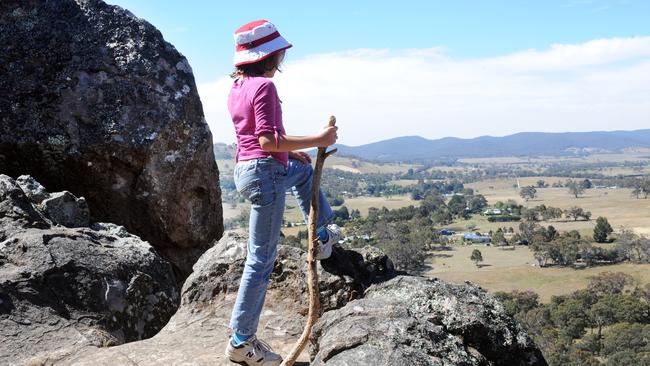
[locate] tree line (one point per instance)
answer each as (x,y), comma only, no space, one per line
(608,323)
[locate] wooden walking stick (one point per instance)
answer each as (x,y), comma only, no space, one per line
(312,275)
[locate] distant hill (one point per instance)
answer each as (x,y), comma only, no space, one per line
(416,148)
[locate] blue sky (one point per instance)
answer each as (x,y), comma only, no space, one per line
(459,37)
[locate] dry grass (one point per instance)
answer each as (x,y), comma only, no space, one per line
(404,182)
(359,166)
(632,155)
(229,211)
(505,270)
(620,208)
(364,203)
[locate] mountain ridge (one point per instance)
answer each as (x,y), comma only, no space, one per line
(416,148)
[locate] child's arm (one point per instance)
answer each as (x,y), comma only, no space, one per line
(325,138)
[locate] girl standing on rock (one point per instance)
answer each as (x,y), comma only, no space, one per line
(268,164)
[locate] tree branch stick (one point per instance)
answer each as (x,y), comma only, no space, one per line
(312,274)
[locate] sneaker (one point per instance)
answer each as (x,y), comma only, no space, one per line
(253,352)
(325,249)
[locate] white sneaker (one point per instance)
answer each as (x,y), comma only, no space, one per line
(253,352)
(325,249)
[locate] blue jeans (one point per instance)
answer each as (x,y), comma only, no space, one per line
(264,182)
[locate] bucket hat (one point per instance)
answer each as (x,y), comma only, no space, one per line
(256,41)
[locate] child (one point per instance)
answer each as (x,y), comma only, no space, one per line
(267,165)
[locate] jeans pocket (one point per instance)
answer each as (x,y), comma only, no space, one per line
(261,182)
(252,191)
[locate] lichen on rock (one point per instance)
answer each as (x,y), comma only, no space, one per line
(412,320)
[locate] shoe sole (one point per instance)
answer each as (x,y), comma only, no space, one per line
(244,363)
(239,362)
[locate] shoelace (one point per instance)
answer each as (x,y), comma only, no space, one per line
(261,346)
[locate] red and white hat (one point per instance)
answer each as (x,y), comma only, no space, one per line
(256,41)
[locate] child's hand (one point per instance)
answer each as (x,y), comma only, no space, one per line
(327,136)
(301,156)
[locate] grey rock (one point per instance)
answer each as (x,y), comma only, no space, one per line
(111,229)
(198,333)
(33,189)
(403,321)
(94,101)
(194,336)
(16,210)
(342,278)
(66,287)
(417,321)
(64,208)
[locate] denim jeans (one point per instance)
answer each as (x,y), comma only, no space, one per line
(264,182)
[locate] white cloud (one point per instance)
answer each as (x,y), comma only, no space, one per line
(602,84)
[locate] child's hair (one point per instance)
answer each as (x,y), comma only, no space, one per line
(259,68)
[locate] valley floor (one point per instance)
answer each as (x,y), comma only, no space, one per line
(508,270)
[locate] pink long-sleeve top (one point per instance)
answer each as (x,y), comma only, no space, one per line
(255,109)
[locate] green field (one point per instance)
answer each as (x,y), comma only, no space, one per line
(505,270)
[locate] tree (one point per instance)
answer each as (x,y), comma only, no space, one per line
(527,230)
(551,233)
(336,201)
(477,203)
(551,213)
(577,212)
(457,206)
(476,256)
(530,214)
(575,188)
(609,283)
(633,247)
(498,238)
(355,214)
(622,337)
(570,315)
(528,193)
(518,301)
(636,192)
(541,184)
(602,230)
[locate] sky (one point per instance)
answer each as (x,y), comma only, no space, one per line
(429,68)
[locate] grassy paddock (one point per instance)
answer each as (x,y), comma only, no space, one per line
(363,204)
(620,208)
(505,270)
(360,166)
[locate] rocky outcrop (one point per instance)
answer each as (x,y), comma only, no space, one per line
(198,332)
(94,101)
(403,320)
(417,321)
(342,277)
(63,285)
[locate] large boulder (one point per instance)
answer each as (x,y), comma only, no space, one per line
(94,101)
(198,333)
(341,278)
(63,287)
(417,321)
